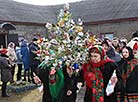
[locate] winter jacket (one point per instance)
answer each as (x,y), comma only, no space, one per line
(6,75)
(112,54)
(25,56)
(19,56)
(33,48)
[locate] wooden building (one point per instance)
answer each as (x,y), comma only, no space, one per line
(101,17)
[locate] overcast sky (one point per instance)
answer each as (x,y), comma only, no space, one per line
(46,2)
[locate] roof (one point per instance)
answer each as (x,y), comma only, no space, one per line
(15,11)
(88,10)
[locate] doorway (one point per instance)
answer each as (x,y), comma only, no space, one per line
(2,40)
(5,39)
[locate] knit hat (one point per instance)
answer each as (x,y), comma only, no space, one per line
(34,39)
(11,44)
(135,34)
(115,38)
(105,42)
(135,47)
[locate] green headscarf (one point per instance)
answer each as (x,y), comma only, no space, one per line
(56,88)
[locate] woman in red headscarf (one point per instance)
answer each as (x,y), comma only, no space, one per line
(97,73)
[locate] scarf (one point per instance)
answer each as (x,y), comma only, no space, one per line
(127,64)
(94,77)
(128,68)
(56,82)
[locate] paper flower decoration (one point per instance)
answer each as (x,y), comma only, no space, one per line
(66,7)
(52,71)
(48,25)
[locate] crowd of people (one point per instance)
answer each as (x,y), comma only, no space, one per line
(22,56)
(109,60)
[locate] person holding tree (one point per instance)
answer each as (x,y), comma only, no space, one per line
(65,43)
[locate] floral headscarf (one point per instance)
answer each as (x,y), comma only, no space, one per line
(93,75)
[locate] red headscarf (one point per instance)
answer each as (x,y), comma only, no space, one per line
(93,75)
(104,59)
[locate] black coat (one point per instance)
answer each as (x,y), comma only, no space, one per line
(6,75)
(33,60)
(43,74)
(132,81)
(107,73)
(70,83)
(131,85)
(112,54)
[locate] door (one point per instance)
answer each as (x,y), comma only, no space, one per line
(12,38)
(2,41)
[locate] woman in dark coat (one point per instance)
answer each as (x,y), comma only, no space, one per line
(6,75)
(70,84)
(97,73)
(128,67)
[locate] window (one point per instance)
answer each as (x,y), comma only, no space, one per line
(110,35)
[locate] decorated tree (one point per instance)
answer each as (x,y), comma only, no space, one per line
(66,47)
(68,38)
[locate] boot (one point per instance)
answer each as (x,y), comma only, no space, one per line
(5,95)
(29,80)
(24,79)
(4,84)
(24,75)
(28,75)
